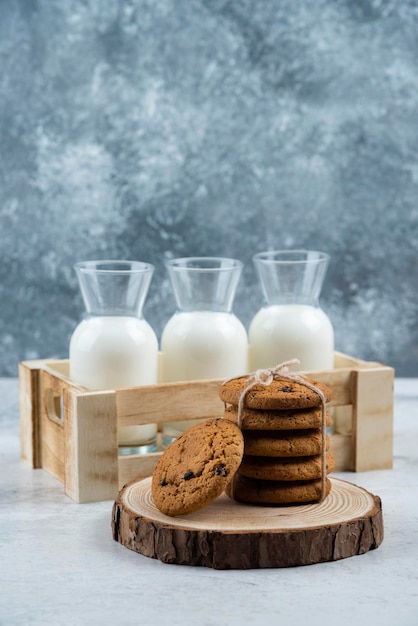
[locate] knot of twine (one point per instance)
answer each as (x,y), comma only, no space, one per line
(265,377)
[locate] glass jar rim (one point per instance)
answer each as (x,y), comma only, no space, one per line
(301,255)
(203,263)
(109,266)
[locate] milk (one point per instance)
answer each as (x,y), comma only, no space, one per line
(107,352)
(202,345)
(281,332)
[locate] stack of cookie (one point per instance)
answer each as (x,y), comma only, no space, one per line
(282,425)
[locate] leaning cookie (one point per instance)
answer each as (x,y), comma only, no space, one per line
(281,394)
(253,491)
(197,467)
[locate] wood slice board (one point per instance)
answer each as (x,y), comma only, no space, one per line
(231,535)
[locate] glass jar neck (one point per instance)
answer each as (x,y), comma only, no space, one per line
(204,283)
(114,288)
(291,277)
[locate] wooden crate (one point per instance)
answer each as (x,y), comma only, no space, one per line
(72,432)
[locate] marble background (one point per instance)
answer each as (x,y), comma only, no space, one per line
(150,129)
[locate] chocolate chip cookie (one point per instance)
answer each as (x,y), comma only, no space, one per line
(282,393)
(284,443)
(297,419)
(289,469)
(197,467)
(251,490)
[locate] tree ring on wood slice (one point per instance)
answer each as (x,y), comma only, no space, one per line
(231,535)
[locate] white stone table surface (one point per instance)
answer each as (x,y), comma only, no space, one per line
(59,564)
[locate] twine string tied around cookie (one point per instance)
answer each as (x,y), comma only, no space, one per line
(265,377)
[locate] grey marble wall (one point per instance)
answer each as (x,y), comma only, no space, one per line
(149,129)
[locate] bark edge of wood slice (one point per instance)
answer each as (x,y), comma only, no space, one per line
(230,535)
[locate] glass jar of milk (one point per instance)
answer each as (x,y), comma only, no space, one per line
(204,339)
(291,324)
(114,346)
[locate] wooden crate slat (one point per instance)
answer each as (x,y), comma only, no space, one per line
(346,361)
(342,448)
(52,424)
(136,467)
(168,402)
(373,419)
(91,450)
(58,367)
(340,382)
(29,409)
